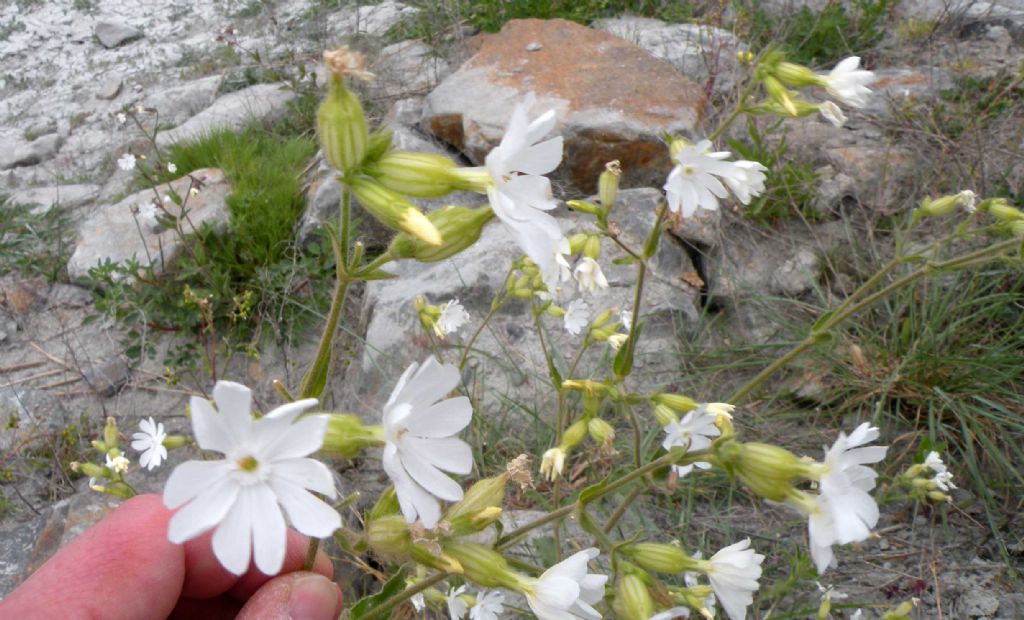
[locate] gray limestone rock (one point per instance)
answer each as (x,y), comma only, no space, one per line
(115,34)
(30,153)
(109,88)
(234,110)
(374,20)
(46,197)
(130,228)
(407,68)
(177,104)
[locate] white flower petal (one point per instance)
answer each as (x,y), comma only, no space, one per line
(191,479)
(442,419)
(307,513)
(306,473)
(209,427)
(203,512)
(429,477)
(234,402)
(269,533)
(232,542)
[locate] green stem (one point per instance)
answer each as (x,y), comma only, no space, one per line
(345,219)
(314,546)
(404,595)
(315,380)
(741,107)
(620,510)
(495,306)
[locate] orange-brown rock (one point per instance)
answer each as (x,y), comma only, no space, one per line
(613,100)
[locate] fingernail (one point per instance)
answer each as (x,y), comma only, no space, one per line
(313,598)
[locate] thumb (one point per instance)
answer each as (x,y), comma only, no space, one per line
(295,596)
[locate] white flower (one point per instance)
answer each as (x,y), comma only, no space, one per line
(589,276)
(552,463)
(521,195)
(934,462)
(457,607)
(733,574)
(627,319)
(419,431)
(695,431)
(193,191)
(566,591)
(119,464)
(857,614)
(452,317)
(150,442)
(126,162)
(832,113)
(944,480)
(617,340)
(967,200)
(489,605)
(171,167)
(121,117)
(848,83)
(846,483)
(577,316)
(697,179)
(264,470)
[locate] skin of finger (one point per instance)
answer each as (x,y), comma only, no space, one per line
(123,567)
(271,602)
(206,578)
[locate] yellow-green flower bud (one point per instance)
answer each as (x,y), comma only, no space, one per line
(486,493)
(555,311)
(442,562)
(1002,211)
(347,436)
(780,95)
(601,320)
(583,207)
(676,402)
(341,126)
(592,248)
(389,536)
(767,470)
(481,564)
(90,469)
(573,435)
(472,179)
(387,504)
(423,175)
(632,600)
(110,434)
(1017,228)
(661,558)
(664,414)
(394,210)
(176,441)
(608,184)
(460,227)
(797,76)
(901,611)
(601,431)
(576,242)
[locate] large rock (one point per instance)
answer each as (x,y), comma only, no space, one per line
(129,228)
(232,111)
(46,197)
(407,68)
(613,100)
(116,34)
(509,366)
(20,153)
(178,104)
(373,20)
(894,88)
(704,54)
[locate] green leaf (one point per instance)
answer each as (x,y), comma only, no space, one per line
(377,274)
(588,494)
(393,586)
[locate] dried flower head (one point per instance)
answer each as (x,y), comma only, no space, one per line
(519,471)
(343,62)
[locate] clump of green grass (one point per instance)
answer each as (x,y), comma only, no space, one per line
(35,245)
(817,38)
(228,288)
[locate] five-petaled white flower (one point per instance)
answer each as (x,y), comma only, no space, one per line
(944,480)
(457,606)
(577,315)
(934,462)
(848,83)
(733,574)
(589,276)
(832,113)
(552,463)
(453,316)
(695,431)
(490,604)
(126,162)
(520,195)
(697,179)
(150,442)
(119,464)
(617,340)
(264,471)
(172,167)
(566,591)
(420,442)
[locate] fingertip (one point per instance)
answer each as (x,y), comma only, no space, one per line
(299,596)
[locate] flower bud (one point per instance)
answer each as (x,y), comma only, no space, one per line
(661,558)
(632,600)
(583,207)
(780,95)
(592,248)
(552,463)
(110,434)
(676,402)
(601,431)
(601,320)
(460,227)
(394,210)
(664,415)
(422,175)
(767,470)
(90,469)
(387,504)
(481,564)
(573,435)
(347,436)
(341,126)
(471,179)
(1001,210)
(442,562)
(797,76)
(176,441)
(946,205)
(389,536)
(486,493)
(608,184)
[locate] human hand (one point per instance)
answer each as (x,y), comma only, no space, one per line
(124,568)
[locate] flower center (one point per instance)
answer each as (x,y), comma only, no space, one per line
(688,170)
(248,463)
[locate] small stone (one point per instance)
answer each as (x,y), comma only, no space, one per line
(978,602)
(108,378)
(114,34)
(109,88)
(534,47)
